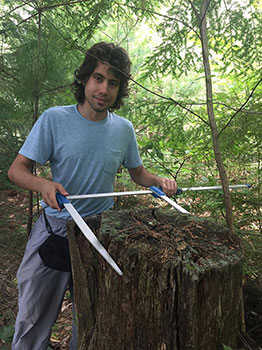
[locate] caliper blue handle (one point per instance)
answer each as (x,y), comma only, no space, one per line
(61,200)
(157,191)
(179,191)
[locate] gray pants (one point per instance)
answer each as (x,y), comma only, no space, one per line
(41,292)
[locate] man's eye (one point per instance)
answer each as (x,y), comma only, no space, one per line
(114,83)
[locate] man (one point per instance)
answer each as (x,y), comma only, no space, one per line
(85,145)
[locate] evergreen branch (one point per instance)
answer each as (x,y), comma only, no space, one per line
(7,14)
(159,15)
(162,165)
(235,109)
(241,107)
(48,7)
(181,166)
(54,89)
(165,168)
(18,24)
(219,103)
(171,100)
(42,9)
(2,70)
(7,145)
(194,10)
(127,34)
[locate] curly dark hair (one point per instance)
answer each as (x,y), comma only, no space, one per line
(120,64)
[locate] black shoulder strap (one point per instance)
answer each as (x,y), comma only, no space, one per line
(49,228)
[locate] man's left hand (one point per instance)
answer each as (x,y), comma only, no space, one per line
(168,186)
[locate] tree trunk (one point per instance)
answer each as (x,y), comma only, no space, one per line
(35,117)
(181,288)
(211,116)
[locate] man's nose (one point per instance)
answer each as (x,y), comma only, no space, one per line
(103,88)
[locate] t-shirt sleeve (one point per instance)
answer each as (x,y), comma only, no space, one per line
(132,158)
(39,144)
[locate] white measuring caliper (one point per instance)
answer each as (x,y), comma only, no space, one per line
(155,191)
(152,189)
(90,236)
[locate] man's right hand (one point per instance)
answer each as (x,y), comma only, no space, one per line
(49,190)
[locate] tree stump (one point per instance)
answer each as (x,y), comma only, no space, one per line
(181,286)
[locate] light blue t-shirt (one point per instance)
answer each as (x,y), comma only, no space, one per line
(84,155)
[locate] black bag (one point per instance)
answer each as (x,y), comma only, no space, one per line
(54,252)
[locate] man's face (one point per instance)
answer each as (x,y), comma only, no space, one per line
(101,89)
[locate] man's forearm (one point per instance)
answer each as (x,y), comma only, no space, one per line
(20,174)
(143,177)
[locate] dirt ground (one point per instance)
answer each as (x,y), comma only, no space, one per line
(13,218)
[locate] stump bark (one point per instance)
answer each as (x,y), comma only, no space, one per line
(181,288)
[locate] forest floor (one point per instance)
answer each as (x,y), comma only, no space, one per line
(13,216)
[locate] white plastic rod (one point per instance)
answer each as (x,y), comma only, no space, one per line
(109,194)
(208,188)
(132,193)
